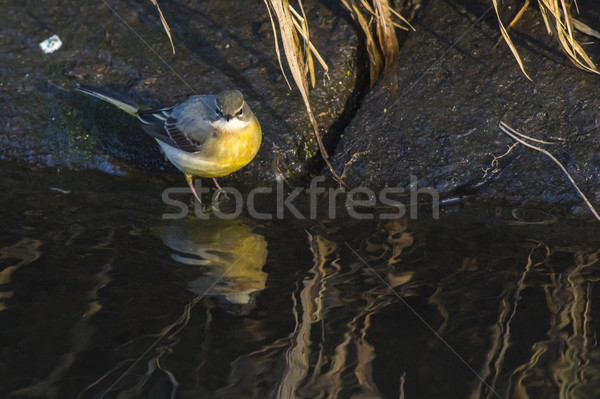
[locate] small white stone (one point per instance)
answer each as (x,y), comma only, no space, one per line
(51,44)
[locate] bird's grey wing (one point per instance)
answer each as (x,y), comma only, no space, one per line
(158,123)
(185,126)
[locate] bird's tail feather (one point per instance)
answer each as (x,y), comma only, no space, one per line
(115,99)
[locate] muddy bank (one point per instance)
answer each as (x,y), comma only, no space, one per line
(441,125)
(217,47)
(454,86)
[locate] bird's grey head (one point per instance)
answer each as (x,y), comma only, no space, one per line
(231,104)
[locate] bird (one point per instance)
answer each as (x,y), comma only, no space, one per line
(209,135)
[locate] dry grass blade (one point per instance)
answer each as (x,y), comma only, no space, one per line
(277,45)
(298,19)
(301,25)
(520,138)
(583,28)
(296,63)
(532,138)
(388,42)
(508,41)
(403,24)
(558,20)
(401,18)
(372,50)
(164,23)
(385,19)
(519,14)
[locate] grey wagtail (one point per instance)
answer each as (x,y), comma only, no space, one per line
(206,136)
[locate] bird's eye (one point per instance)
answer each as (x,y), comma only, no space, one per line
(240,112)
(218,111)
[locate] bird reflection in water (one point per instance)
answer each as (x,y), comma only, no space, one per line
(223,258)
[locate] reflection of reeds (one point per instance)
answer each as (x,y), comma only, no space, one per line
(26,251)
(501,332)
(562,364)
(297,362)
(317,362)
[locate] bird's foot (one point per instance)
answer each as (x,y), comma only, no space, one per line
(219,192)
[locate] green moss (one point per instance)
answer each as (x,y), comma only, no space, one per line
(308,154)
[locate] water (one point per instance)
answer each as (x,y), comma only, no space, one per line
(101,297)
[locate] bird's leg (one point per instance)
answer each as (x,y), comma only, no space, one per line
(220,190)
(217,184)
(190,182)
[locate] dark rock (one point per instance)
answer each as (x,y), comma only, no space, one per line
(218,45)
(441,125)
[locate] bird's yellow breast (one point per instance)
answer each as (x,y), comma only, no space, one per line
(226,152)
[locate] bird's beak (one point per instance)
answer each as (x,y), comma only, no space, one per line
(228,117)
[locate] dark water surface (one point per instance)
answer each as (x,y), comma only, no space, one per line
(101,297)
